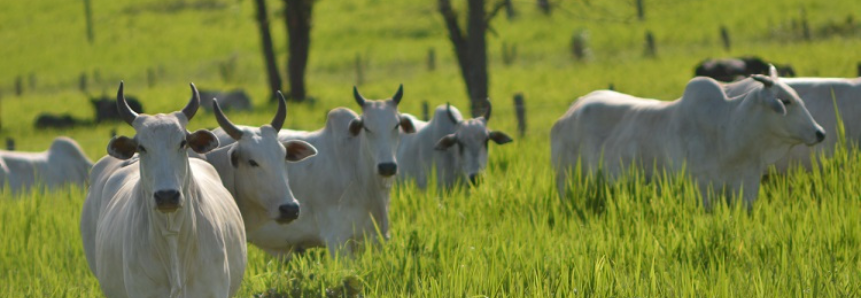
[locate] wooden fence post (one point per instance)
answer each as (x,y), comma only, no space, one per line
(724,35)
(641,10)
(520,112)
(650,45)
(360,76)
(10,144)
(425,111)
(431,59)
(19,85)
(859,69)
(82,82)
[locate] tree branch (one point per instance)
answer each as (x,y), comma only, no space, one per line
(499,5)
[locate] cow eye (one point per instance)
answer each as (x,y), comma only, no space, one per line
(182,144)
(785,102)
(253,163)
(141,149)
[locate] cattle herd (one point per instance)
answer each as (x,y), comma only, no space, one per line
(168,212)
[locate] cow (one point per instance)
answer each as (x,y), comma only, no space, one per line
(344,190)
(157,223)
(46,121)
(251,166)
(63,163)
(720,142)
(455,147)
(235,99)
(817,96)
(733,69)
(105,108)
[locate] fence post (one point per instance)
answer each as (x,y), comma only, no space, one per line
(650,45)
(431,59)
(88,15)
(82,82)
(10,144)
(425,111)
(859,69)
(520,112)
(641,10)
(150,77)
(360,76)
(19,86)
(724,35)
(611,87)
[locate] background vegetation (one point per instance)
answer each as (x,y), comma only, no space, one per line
(509,237)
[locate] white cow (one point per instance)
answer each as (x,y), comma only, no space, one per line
(723,142)
(252,168)
(433,146)
(63,163)
(817,96)
(157,223)
(344,190)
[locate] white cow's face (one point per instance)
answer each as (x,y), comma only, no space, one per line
(258,159)
(261,173)
(471,139)
(787,115)
(379,131)
(161,141)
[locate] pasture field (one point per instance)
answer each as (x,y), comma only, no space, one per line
(509,237)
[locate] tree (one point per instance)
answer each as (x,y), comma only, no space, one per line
(297,15)
(272,72)
(471,49)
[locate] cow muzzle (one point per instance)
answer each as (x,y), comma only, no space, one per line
(820,136)
(287,213)
(166,200)
(474,179)
(387,169)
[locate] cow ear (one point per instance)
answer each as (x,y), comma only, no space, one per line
(407,125)
(299,150)
(356,126)
(500,138)
(122,147)
(202,141)
(234,157)
(772,72)
(446,142)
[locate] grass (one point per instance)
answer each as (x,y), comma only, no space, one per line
(510,237)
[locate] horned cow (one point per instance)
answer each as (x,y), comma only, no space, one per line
(723,142)
(455,147)
(156,223)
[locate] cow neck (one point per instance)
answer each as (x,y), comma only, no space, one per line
(174,231)
(377,189)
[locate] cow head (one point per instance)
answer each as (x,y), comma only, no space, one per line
(471,137)
(160,141)
(258,159)
(379,130)
(786,113)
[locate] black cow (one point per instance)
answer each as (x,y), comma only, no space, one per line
(106,107)
(732,69)
(45,121)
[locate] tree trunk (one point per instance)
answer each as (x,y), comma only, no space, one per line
(477,52)
(297,15)
(272,72)
(470,50)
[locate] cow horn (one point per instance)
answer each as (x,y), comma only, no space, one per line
(225,123)
(193,104)
(359,98)
(123,107)
(487,111)
(768,82)
(281,114)
(400,93)
(450,115)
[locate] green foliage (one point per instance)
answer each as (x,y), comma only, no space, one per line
(510,237)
